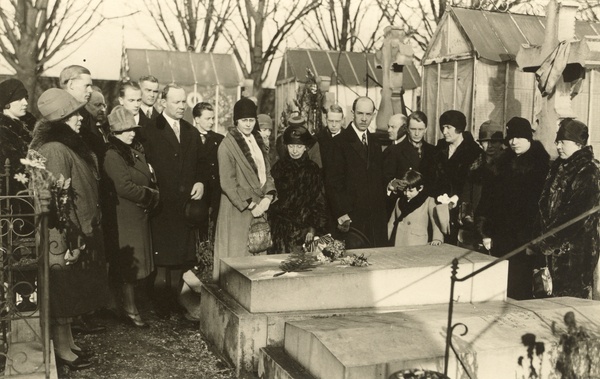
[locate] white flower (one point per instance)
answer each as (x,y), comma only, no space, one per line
(21,178)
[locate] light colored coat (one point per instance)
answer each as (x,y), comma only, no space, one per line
(239,183)
(413,229)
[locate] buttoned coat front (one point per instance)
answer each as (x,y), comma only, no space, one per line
(178,165)
(354,184)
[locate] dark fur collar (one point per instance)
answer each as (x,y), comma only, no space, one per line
(534,157)
(239,139)
(126,151)
(17,127)
(46,132)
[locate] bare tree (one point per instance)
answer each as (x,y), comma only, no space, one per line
(189,25)
(336,25)
(32,32)
(258,31)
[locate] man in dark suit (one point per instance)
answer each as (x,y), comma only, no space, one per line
(354,177)
(334,119)
(149,86)
(411,152)
(172,147)
(204,117)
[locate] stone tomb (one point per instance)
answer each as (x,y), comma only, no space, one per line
(249,307)
(377,345)
(397,277)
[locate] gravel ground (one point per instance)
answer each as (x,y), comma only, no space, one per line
(171,348)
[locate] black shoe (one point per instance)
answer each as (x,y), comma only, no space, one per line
(135,320)
(77,364)
(83,326)
(84,354)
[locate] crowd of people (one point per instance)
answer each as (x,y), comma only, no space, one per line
(146,185)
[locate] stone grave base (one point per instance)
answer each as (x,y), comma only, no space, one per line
(377,345)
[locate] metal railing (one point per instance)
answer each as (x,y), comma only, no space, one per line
(453,279)
(24,273)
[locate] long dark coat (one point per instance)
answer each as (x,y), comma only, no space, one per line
(509,207)
(571,188)
(130,175)
(178,166)
(81,287)
(451,175)
(208,154)
(399,158)
(240,186)
(301,203)
(355,185)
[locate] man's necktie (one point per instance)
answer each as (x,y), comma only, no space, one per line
(176,130)
(203,136)
(149,113)
(364,141)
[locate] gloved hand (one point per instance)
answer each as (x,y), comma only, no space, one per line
(397,185)
(345,226)
(310,235)
(263,205)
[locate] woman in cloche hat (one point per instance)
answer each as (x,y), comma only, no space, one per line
(246,183)
(78,280)
(571,188)
(126,166)
(300,213)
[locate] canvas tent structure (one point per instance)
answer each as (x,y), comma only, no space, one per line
(470,65)
(209,77)
(352,74)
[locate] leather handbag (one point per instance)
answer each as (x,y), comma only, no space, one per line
(259,236)
(542,281)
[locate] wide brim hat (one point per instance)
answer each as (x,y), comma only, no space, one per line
(297,135)
(121,120)
(57,104)
(490,131)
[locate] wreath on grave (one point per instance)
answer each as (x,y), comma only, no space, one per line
(321,250)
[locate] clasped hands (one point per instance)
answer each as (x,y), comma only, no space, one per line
(260,208)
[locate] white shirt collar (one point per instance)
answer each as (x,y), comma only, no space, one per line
(145,108)
(170,120)
(358,132)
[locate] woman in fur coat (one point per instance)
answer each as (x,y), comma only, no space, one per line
(508,206)
(571,188)
(300,212)
(125,165)
(78,278)
(14,135)
(246,183)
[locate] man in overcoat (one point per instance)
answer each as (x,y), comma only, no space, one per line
(411,152)
(354,180)
(172,147)
(334,119)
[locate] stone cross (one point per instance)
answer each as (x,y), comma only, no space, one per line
(393,56)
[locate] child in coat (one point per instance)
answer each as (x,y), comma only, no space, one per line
(413,221)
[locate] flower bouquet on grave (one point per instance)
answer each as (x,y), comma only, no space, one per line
(327,250)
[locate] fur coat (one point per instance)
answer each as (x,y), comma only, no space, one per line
(301,204)
(571,188)
(81,287)
(14,138)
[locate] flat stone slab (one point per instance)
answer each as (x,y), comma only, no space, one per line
(375,346)
(397,277)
